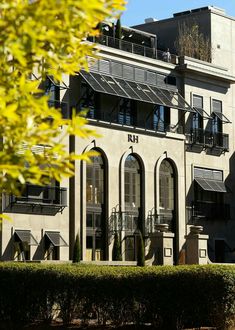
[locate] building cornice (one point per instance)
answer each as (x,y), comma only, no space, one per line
(202,68)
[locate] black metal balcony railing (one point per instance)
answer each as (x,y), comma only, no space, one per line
(123,221)
(209,139)
(63,106)
(133,48)
(204,210)
(154,220)
(37,199)
(128,120)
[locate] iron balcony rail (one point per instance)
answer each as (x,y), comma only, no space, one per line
(133,48)
(129,120)
(158,219)
(209,139)
(205,210)
(42,195)
(123,221)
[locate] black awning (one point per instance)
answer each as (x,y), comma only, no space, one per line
(61,85)
(135,91)
(55,238)
(202,113)
(211,185)
(222,117)
(26,236)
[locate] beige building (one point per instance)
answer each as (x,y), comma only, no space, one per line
(165,163)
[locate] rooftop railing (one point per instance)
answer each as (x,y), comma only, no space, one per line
(134,48)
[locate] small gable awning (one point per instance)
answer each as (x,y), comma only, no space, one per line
(55,238)
(26,236)
(211,185)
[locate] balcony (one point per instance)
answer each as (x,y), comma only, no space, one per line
(205,210)
(133,48)
(123,221)
(208,139)
(46,200)
(154,219)
(115,118)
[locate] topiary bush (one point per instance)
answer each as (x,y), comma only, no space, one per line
(140,251)
(116,254)
(77,250)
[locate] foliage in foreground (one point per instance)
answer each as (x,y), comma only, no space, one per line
(167,297)
(41,38)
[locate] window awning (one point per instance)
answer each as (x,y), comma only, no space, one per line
(61,85)
(55,238)
(211,185)
(202,113)
(135,91)
(26,236)
(222,117)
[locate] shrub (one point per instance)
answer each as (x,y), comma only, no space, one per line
(167,297)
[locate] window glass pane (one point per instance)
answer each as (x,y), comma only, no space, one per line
(126,115)
(166,186)
(216,106)
(89,220)
(197,101)
(89,190)
(98,220)
(89,242)
(98,243)
(95,181)
(159,118)
(132,183)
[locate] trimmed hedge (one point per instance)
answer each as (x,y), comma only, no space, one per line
(167,297)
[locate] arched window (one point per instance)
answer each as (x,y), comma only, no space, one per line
(133,206)
(167,200)
(167,187)
(95,181)
(132,184)
(95,212)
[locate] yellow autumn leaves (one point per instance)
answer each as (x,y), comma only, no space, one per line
(46,37)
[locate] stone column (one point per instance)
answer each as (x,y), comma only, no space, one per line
(162,247)
(196,246)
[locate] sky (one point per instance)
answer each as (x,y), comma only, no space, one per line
(138,10)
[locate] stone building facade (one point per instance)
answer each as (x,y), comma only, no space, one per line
(164,167)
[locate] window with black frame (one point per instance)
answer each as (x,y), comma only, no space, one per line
(133,201)
(209,190)
(161,118)
(167,192)
(216,112)
(53,91)
(166,186)
(127,112)
(197,117)
(217,123)
(95,212)
(167,199)
(90,101)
